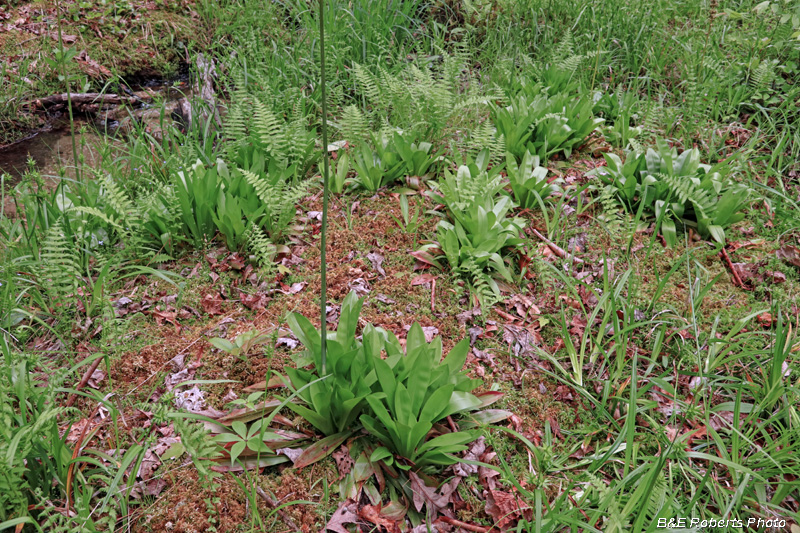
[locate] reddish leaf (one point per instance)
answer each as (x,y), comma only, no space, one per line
(372,514)
(489,397)
(766,319)
(235,261)
(505,508)
(212,303)
(426,258)
(423,279)
(344,515)
(253,301)
(320,449)
(275,382)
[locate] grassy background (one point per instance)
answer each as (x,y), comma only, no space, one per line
(655,387)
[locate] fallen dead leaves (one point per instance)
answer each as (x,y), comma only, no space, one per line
(439,502)
(506,508)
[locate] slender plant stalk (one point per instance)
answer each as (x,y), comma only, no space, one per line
(69,95)
(324,241)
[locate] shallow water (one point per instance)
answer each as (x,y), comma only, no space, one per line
(50,151)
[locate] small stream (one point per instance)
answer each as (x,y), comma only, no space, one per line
(51,148)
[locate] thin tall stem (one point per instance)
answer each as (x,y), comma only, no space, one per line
(69,94)
(324,241)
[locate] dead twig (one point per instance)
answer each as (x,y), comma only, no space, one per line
(559,251)
(736,279)
(80,99)
(274,505)
(433,294)
(452,424)
(86,377)
(465,525)
(76,451)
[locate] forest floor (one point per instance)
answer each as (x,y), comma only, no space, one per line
(636,378)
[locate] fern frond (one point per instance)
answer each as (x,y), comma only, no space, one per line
(268,129)
(686,189)
(279,200)
(484,287)
(613,212)
(485,136)
(235,127)
(60,268)
(261,247)
(653,122)
(92,211)
(368,84)
(763,75)
(119,202)
(564,48)
(353,125)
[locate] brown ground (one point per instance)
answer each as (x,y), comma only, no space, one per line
(534,398)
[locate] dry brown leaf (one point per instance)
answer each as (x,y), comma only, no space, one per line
(167,316)
(430,497)
(291,453)
(253,301)
(95,379)
(91,67)
(523,305)
(474,452)
(467,316)
(360,286)
(377,262)
(484,356)
(372,514)
(776,277)
(235,261)
(344,463)
(294,288)
(790,254)
(521,340)
(344,515)
(505,508)
(423,279)
(212,303)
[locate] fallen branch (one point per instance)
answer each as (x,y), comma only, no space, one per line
(277,508)
(433,294)
(86,377)
(76,452)
(464,525)
(736,279)
(559,251)
(80,99)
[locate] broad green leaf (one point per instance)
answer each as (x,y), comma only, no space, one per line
(457,357)
(237,449)
(322,423)
(717,233)
(222,344)
(485,417)
(381,454)
(461,401)
(437,404)
(457,438)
